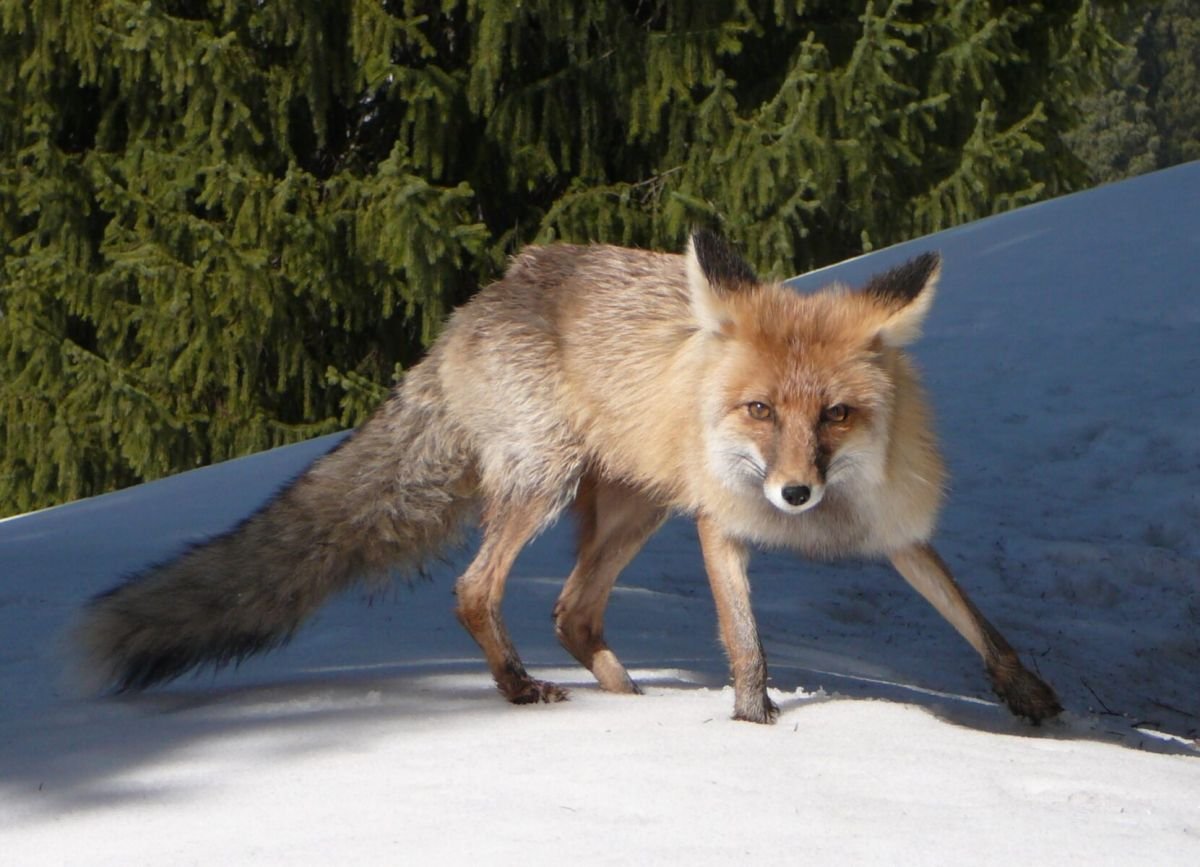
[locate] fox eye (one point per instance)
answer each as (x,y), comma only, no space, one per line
(758,410)
(836,414)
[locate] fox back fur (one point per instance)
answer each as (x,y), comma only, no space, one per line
(630,385)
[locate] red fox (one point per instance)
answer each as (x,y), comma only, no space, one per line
(628,385)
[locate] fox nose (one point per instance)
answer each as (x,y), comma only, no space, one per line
(796,495)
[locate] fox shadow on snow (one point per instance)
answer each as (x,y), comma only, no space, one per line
(86,755)
(844,634)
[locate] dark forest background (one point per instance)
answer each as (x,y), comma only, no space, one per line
(229,225)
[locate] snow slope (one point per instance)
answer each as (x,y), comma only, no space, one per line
(1063,356)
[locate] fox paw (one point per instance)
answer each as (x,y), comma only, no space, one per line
(535,691)
(760,709)
(1026,694)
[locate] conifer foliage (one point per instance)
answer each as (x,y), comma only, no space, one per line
(1147,114)
(1170,50)
(228,224)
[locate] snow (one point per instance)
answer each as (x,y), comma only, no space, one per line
(1062,356)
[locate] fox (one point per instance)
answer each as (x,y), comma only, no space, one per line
(625,386)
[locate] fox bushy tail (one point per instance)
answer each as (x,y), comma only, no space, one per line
(390,497)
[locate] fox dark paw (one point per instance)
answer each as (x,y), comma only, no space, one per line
(1026,694)
(535,691)
(758,710)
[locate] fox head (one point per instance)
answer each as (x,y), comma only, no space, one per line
(801,389)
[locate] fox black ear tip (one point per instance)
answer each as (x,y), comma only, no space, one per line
(902,284)
(717,259)
(702,237)
(928,263)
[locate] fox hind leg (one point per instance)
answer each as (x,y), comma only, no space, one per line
(480,589)
(614,523)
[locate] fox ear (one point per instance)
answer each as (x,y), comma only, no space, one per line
(904,295)
(713,271)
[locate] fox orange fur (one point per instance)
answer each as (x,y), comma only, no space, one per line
(631,385)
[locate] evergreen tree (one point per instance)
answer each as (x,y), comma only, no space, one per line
(1146,115)
(1118,137)
(227,225)
(1170,51)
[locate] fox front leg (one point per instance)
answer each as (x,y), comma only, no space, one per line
(1024,692)
(725,560)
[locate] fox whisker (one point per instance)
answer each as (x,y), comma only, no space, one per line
(747,462)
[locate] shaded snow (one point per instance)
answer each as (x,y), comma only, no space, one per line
(1063,357)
